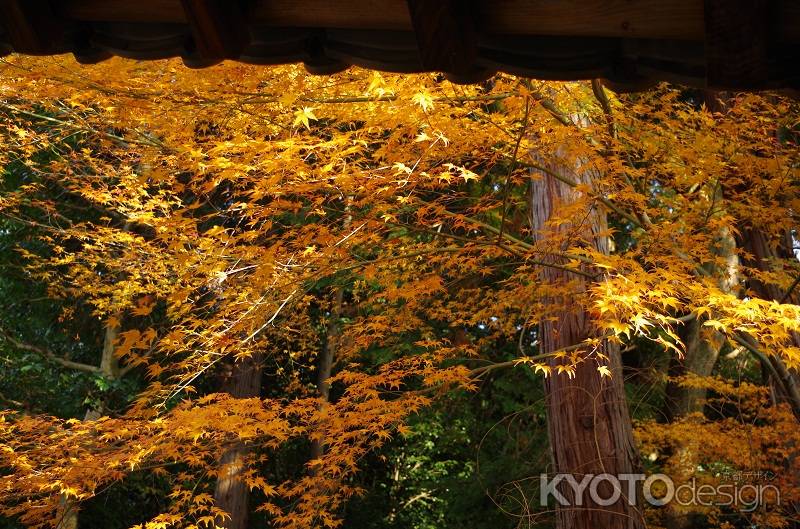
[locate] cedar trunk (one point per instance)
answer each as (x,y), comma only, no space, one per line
(588,420)
(231,493)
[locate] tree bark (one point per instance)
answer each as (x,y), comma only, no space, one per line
(702,351)
(329,350)
(763,256)
(231,493)
(703,344)
(326,366)
(109,368)
(588,419)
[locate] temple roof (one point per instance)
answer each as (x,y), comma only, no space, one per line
(718,44)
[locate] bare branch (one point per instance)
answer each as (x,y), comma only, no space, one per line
(46,353)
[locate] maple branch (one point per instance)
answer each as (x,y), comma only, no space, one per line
(606,202)
(547,103)
(131,366)
(457,249)
(508,237)
(435,233)
(478,371)
(183,385)
(513,251)
(513,166)
(563,268)
(13,402)
(789,291)
(778,370)
(489,227)
(272,319)
(684,319)
(524,360)
(48,354)
(379,99)
(410,255)
(762,358)
(79,128)
(602,98)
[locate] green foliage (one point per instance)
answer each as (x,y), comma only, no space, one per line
(464,457)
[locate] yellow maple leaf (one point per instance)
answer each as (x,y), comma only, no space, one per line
(304,117)
(424,100)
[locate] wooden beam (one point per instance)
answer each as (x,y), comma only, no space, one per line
(145,11)
(679,19)
(656,19)
(341,14)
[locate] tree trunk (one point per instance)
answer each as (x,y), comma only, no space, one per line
(329,351)
(231,493)
(588,420)
(702,351)
(109,363)
(703,344)
(326,366)
(763,256)
(109,368)
(67,513)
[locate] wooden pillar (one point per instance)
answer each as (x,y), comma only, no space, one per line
(31,26)
(447,38)
(737,42)
(219,30)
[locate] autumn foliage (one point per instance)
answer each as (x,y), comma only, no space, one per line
(212,216)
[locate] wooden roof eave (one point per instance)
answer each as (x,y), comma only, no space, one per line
(738,44)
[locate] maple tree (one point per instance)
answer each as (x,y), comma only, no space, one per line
(369,241)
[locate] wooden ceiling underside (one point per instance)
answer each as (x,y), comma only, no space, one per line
(721,44)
